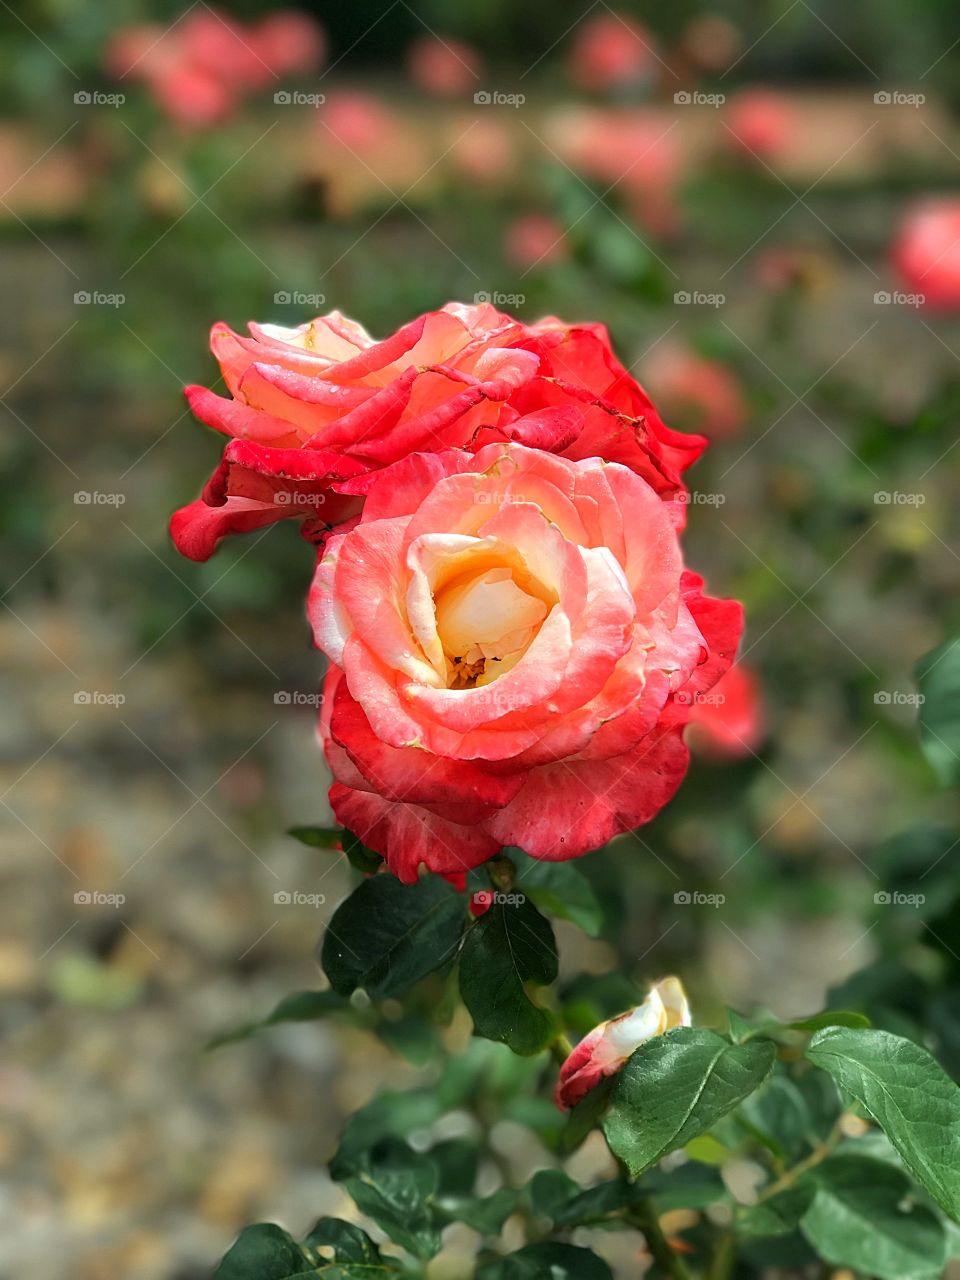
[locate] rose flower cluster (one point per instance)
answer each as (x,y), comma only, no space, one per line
(515,644)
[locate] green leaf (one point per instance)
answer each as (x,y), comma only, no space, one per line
(779,1215)
(778,1116)
(265,1252)
(550,1259)
(396,1188)
(301,1006)
(484,1214)
(388,1115)
(559,888)
(677,1086)
(334,838)
(938,677)
(831,1018)
(387,936)
(318,837)
(863,1217)
(349,1242)
(510,945)
(909,1095)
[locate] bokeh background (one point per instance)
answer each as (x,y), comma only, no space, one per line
(756,198)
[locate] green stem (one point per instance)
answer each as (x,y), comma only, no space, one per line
(817,1156)
(561,1048)
(644,1216)
(724,1256)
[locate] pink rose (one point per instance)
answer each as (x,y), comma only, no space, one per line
(697,391)
(313,409)
(604,1051)
(443,66)
(509,632)
(728,721)
(611,51)
(926,253)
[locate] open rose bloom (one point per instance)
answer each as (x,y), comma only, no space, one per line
(509,631)
(515,644)
(314,407)
(605,1050)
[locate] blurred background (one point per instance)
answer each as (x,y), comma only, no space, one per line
(761,201)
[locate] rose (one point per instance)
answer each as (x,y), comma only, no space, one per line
(926,252)
(604,1051)
(728,721)
(317,406)
(509,632)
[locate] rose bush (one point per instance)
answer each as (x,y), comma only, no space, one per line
(509,633)
(313,407)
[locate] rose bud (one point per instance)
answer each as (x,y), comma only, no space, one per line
(604,1051)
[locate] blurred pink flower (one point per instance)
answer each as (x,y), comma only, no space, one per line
(611,51)
(290,43)
(636,152)
(926,252)
(443,66)
(199,68)
(703,394)
(762,122)
(535,240)
(483,151)
(728,720)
